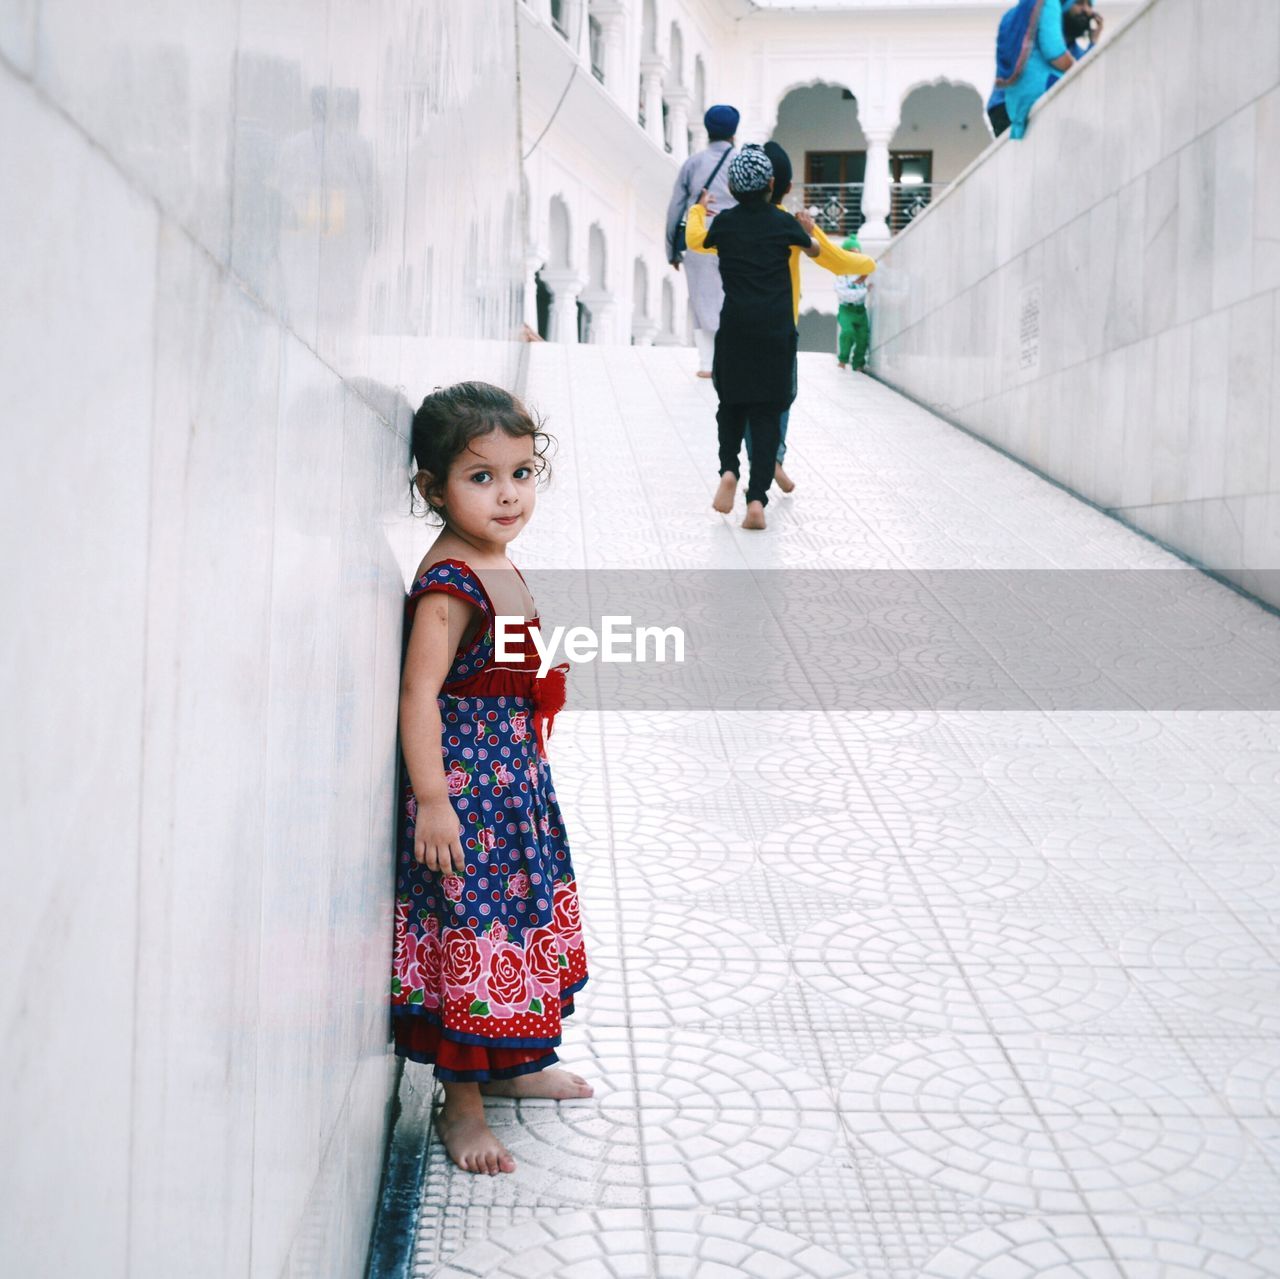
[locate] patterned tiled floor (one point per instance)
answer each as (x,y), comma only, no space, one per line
(901,992)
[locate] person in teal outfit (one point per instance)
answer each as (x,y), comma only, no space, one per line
(1036,31)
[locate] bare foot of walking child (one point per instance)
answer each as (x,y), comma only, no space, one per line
(782,479)
(723,500)
(754,517)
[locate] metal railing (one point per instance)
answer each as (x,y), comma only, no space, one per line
(839,204)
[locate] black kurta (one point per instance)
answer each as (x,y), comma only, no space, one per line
(756,342)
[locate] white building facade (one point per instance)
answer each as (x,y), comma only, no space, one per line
(880,105)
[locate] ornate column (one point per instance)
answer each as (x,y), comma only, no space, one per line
(600,303)
(643,330)
(876,194)
(533,261)
(580,31)
(678,103)
(564,286)
(699,140)
(612,16)
(652,70)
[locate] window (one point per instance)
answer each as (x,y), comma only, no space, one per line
(559,18)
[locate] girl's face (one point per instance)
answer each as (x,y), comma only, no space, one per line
(492,485)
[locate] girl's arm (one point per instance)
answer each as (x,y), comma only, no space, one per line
(439,623)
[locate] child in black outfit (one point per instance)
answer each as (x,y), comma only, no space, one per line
(754,367)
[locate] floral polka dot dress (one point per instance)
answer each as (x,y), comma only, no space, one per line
(486,963)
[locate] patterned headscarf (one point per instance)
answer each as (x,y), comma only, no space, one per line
(750,170)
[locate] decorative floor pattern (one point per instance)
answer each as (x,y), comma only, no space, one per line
(930,990)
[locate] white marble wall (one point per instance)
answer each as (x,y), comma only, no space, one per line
(1145,204)
(235,242)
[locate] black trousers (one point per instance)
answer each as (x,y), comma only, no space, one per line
(999,118)
(766,427)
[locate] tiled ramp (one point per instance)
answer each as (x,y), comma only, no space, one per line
(940,988)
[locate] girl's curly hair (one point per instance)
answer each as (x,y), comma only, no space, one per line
(451,417)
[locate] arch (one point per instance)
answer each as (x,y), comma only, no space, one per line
(597,258)
(559,235)
(946,122)
(640,290)
(819,125)
(675,56)
(966,80)
(813,82)
(699,88)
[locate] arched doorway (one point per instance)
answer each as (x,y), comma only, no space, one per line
(818,127)
(942,127)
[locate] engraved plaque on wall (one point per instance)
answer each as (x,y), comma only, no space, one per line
(1029,328)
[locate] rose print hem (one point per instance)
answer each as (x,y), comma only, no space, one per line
(460,1059)
(482,1075)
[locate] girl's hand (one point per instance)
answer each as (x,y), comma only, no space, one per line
(436,839)
(805,218)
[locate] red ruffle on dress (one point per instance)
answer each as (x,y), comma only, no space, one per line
(487,962)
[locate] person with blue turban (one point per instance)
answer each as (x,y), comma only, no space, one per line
(1030,48)
(708,168)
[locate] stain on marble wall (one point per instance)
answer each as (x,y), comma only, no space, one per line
(240,243)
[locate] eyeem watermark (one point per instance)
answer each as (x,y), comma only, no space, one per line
(617,641)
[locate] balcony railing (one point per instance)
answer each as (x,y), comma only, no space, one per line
(839,204)
(909,198)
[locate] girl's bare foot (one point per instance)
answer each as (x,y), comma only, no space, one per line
(754,517)
(557,1085)
(704,373)
(466,1134)
(783,480)
(842,364)
(723,500)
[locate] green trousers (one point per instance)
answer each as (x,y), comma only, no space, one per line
(855,332)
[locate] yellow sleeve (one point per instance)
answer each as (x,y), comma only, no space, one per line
(840,261)
(796,251)
(695,230)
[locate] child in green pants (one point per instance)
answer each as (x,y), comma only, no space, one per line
(854,321)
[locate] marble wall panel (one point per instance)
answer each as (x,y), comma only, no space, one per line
(212,470)
(1196,203)
(76,343)
(1266,193)
(1238,57)
(1144,202)
(152,83)
(300,860)
(216,326)
(18,33)
(1234,157)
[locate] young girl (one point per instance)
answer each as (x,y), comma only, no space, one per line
(488,940)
